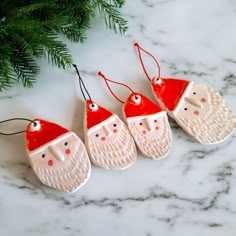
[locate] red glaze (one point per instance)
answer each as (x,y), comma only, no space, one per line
(145,107)
(96,117)
(48,131)
(50,162)
(203,100)
(169,91)
(67,151)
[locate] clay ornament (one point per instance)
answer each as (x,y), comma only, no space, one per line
(57,156)
(199,110)
(147,122)
(108,140)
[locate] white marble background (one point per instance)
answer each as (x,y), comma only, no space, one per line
(192,192)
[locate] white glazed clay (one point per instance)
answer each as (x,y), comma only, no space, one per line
(149,126)
(108,140)
(199,110)
(60,162)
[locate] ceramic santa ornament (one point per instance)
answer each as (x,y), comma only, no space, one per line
(147,122)
(107,138)
(199,110)
(149,125)
(57,156)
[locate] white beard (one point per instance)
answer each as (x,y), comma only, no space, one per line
(215,126)
(154,147)
(70,177)
(119,153)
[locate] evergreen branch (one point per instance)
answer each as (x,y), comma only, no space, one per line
(25,67)
(112,17)
(7,74)
(29,30)
(37,6)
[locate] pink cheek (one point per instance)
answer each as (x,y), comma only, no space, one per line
(144,132)
(50,162)
(196,113)
(67,151)
(157,128)
(203,100)
(103,138)
(114,130)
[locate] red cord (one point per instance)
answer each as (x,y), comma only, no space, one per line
(141,60)
(108,86)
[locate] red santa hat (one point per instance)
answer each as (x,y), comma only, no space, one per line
(169,91)
(95,114)
(40,132)
(139,105)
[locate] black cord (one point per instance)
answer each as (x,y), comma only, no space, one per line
(19,132)
(81,82)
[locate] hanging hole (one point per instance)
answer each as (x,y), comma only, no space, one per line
(93,106)
(136,99)
(35,126)
(156,80)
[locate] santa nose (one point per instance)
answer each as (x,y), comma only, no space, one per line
(193,102)
(107,130)
(57,153)
(149,125)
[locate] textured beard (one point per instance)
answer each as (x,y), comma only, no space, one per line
(213,127)
(117,153)
(69,177)
(154,147)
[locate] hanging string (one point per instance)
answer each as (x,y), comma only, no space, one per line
(81,83)
(114,82)
(19,132)
(141,60)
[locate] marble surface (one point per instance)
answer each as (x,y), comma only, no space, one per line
(191,192)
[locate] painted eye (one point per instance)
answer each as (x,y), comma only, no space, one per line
(194,93)
(185,108)
(140,123)
(114,125)
(43,155)
(155,121)
(66,143)
(97,135)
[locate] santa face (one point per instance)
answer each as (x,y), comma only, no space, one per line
(62,163)
(110,144)
(152,134)
(194,104)
(204,114)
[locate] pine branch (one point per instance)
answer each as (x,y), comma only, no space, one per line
(29,30)
(56,52)
(25,67)
(112,17)
(7,74)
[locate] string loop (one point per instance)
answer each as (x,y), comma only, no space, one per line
(114,82)
(139,48)
(81,83)
(18,132)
